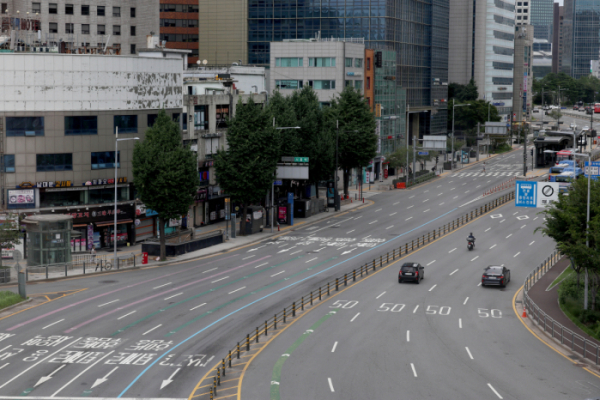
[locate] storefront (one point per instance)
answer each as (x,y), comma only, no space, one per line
(214,208)
(198,208)
(145,222)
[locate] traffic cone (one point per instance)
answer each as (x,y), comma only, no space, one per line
(278,228)
(524,313)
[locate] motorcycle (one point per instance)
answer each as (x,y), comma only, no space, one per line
(470,245)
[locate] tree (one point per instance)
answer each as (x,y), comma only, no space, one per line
(165,173)
(247,168)
(9,232)
(463,93)
(357,142)
(467,117)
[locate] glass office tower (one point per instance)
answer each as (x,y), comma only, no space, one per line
(416,30)
(542,14)
(581,41)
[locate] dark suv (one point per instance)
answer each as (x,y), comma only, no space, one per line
(411,272)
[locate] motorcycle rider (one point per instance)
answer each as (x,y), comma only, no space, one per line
(471,239)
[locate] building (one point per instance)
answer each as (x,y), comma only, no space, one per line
(248,79)
(523,12)
(542,18)
(482,48)
(522,89)
(82,26)
(557,38)
(298,63)
(417,31)
(179,26)
(205,112)
(581,42)
(58,140)
(542,64)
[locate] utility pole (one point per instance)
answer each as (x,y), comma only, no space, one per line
(407,126)
(335,175)
(522,127)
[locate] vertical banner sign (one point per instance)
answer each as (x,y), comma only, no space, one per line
(227,213)
(526,194)
(90,237)
(378,133)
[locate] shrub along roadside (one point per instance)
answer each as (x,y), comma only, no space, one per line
(8,299)
(570,300)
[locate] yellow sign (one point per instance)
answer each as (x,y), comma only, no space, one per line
(377,110)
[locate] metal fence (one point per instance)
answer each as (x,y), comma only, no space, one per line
(576,343)
(250,340)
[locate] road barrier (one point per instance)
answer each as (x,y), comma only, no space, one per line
(313,298)
(504,185)
(559,333)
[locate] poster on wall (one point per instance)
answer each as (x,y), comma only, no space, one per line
(90,237)
(21,197)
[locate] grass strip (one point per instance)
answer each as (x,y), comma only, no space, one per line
(8,299)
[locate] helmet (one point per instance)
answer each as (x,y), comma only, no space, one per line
(471,234)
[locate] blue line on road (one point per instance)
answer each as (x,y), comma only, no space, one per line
(269,295)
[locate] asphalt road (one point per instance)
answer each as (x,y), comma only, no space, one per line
(446,338)
(156,331)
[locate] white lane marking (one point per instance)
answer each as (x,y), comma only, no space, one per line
(516,213)
(476,257)
(487,229)
(208,270)
(453,272)
(430,263)
(426,191)
(477,186)
(450,181)
(245,258)
(366,237)
(426,210)
(535,218)
(350,231)
(360,216)
(467,191)
(312,259)
(409,207)
(433,287)
(102,305)
(415,310)
(414,370)
(408,336)
(277,274)
(411,196)
(494,390)
(54,323)
(523,227)
(517,254)
(408,218)
(126,315)
(425,201)
(479,284)
(263,264)
(220,279)
(334,346)
(532,243)
(460,323)
(156,327)
(379,295)
(256,248)
(390,227)
(442,203)
(4,365)
(81,373)
(1,350)
(440,194)
(175,295)
(455,197)
(438,186)
(330,385)
(492,247)
(352,320)
(393,214)
(237,290)
(164,285)
(469,352)
(198,306)
(379,209)
(452,250)
(508,236)
(502,221)
(397,203)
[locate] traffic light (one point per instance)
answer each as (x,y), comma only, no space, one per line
(437,158)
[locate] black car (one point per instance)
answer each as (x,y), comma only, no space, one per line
(495,275)
(411,272)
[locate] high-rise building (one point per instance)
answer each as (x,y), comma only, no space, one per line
(523,12)
(556,37)
(581,42)
(541,18)
(179,26)
(482,48)
(522,89)
(417,31)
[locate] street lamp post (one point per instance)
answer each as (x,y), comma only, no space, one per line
(117,162)
(453,107)
(273,184)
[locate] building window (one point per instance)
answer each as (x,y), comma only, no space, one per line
(117,30)
(358,85)
(321,62)
(81,125)
(105,159)
(289,62)
(85,10)
(368,63)
(184,122)
(152,119)
(222,115)
(132,30)
(358,63)
(201,117)
(132,12)
(85,29)
(69,9)
(52,8)
(101,30)
(54,162)
(24,126)
(36,7)
(100,11)
(132,49)
(501,65)
(368,83)
(117,12)
(322,85)
(126,123)
(348,83)
(53,27)
(288,84)
(69,28)
(9,163)
(348,62)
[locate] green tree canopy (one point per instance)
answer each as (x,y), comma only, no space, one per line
(463,93)
(467,117)
(165,172)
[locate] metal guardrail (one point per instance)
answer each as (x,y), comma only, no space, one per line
(246,344)
(576,343)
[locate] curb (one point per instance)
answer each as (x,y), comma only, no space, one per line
(29,300)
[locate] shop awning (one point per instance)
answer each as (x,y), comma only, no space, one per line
(107,223)
(79,225)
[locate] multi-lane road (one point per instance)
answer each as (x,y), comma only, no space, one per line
(155,332)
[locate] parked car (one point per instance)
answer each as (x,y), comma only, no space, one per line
(575,107)
(495,275)
(412,272)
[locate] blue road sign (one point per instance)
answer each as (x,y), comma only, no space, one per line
(594,170)
(277,183)
(526,194)
(423,153)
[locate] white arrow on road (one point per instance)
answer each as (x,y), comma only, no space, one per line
(102,380)
(256,248)
(47,378)
(167,381)
(284,250)
(350,251)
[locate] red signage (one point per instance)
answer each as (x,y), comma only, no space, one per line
(385,173)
